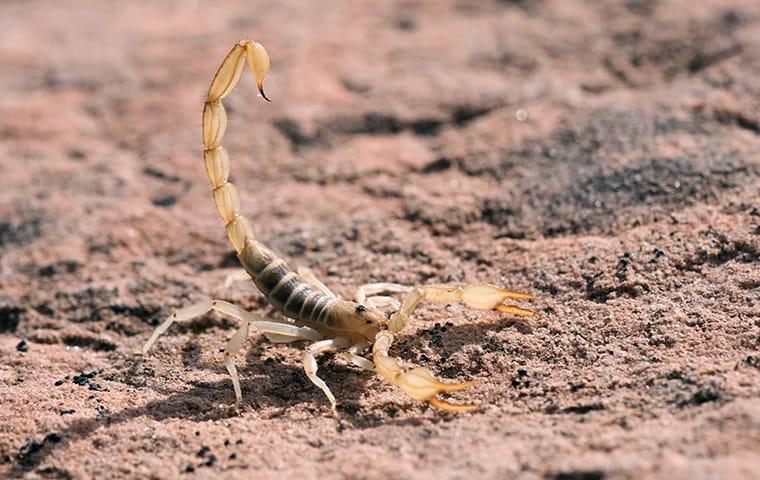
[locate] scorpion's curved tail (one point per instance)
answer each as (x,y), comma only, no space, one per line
(283,287)
(214,124)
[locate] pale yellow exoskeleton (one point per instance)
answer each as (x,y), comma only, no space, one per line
(318,315)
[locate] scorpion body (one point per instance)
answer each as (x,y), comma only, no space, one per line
(318,315)
(296,299)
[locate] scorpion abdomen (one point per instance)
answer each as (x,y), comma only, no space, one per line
(283,287)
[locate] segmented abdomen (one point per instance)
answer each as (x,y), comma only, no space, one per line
(283,287)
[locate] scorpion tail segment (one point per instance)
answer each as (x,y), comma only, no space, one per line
(258,62)
(233,346)
(418,383)
(214,125)
(227,76)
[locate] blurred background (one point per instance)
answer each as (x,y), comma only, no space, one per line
(603,155)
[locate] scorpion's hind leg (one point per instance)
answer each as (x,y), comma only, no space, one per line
(233,346)
(238,275)
(199,309)
(310,363)
(181,315)
(418,383)
(280,330)
(308,276)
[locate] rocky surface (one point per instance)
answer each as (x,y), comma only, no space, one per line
(603,155)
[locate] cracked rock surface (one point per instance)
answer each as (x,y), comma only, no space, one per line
(603,155)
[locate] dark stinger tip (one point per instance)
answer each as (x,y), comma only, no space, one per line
(264,95)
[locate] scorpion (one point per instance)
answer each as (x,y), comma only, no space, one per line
(331,323)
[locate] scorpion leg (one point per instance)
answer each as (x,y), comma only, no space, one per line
(310,363)
(418,383)
(274,329)
(480,296)
(183,315)
(236,276)
(233,346)
(358,360)
(372,289)
(277,332)
(281,331)
(378,302)
(308,276)
(368,294)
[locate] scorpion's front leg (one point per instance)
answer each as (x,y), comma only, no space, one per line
(310,363)
(418,383)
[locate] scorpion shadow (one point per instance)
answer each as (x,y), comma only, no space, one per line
(277,384)
(265,383)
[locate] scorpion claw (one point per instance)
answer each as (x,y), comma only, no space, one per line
(514,310)
(450,407)
(482,296)
(420,384)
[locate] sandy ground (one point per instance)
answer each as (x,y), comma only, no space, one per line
(603,155)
